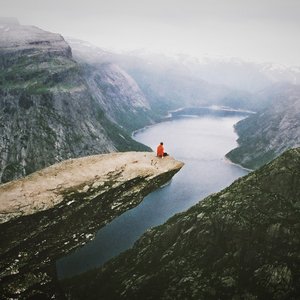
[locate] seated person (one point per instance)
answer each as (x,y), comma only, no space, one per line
(160,151)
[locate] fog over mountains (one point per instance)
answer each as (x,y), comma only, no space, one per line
(231,72)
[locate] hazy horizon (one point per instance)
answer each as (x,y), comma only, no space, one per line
(259,31)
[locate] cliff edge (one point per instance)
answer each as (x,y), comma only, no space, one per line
(49,213)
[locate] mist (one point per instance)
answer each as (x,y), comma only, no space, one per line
(258,31)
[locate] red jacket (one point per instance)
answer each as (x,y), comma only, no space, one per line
(160,150)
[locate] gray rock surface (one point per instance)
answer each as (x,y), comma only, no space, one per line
(119,96)
(50,213)
(127,105)
(240,243)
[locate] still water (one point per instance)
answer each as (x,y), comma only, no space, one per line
(201,143)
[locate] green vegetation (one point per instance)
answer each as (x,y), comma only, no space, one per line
(245,156)
(122,140)
(133,121)
(269,132)
(35,75)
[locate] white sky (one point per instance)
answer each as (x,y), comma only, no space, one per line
(258,30)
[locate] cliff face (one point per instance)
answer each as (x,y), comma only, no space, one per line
(47,111)
(119,95)
(49,213)
(271,131)
(240,243)
(117,92)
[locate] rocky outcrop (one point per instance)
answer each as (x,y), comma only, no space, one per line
(49,213)
(47,111)
(274,129)
(240,243)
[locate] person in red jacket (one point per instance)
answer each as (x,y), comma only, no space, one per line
(160,151)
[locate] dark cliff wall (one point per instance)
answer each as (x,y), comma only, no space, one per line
(240,243)
(118,94)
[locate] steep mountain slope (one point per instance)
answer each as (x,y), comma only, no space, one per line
(240,243)
(60,208)
(274,129)
(119,95)
(47,110)
(127,105)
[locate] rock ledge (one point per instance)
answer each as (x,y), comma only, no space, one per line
(49,213)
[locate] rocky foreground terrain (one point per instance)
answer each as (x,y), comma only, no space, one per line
(274,129)
(240,243)
(48,110)
(49,213)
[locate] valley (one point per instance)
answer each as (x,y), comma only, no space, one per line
(78,126)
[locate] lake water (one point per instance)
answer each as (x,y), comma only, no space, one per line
(201,143)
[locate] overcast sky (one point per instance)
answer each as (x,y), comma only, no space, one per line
(258,30)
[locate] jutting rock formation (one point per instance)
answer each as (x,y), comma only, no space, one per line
(51,212)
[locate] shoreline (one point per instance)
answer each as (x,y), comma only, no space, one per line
(236,164)
(170,117)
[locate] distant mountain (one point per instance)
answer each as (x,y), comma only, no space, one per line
(48,110)
(227,82)
(240,243)
(244,75)
(171,87)
(170,82)
(166,82)
(274,129)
